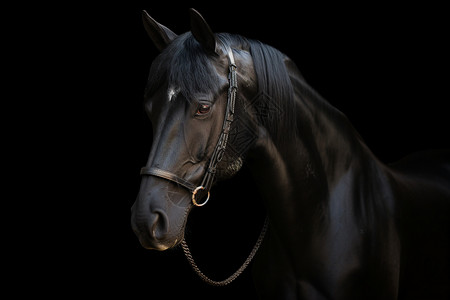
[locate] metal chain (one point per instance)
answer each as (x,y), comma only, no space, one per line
(239,271)
(209,177)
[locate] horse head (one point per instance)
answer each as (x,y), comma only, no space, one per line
(197,137)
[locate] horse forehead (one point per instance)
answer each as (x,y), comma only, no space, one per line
(172,92)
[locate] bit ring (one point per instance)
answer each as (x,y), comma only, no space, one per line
(195,193)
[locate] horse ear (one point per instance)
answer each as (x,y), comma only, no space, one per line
(160,34)
(202,32)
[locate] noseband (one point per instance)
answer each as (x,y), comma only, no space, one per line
(219,150)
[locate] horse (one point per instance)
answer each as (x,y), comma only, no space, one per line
(340,223)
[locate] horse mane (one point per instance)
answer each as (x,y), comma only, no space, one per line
(186,65)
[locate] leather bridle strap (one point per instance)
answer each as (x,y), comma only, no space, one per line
(221,145)
(219,150)
(169,176)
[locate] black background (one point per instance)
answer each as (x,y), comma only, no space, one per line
(384,66)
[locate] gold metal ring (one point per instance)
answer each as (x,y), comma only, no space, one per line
(195,193)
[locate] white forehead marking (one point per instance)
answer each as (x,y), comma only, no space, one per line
(172,92)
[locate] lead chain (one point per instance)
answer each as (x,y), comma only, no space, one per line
(239,271)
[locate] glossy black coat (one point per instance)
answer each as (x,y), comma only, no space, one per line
(343,225)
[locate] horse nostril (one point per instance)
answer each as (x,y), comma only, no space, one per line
(160,225)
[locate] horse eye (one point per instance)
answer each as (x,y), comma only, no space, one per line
(203,109)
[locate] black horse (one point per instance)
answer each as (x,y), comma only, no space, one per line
(342,225)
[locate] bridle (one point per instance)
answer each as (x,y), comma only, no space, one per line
(208,178)
(219,150)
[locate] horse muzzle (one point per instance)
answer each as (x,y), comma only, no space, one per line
(157,220)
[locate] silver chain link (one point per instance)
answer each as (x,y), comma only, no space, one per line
(239,271)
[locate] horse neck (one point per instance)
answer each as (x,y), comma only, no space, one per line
(332,145)
(298,177)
